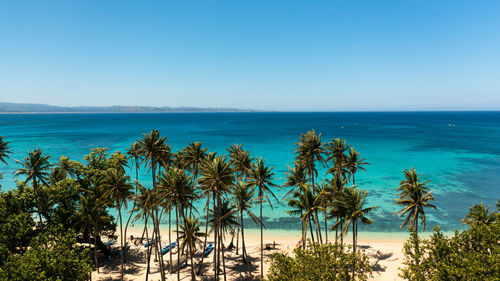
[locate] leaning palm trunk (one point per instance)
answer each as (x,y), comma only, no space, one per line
(318,227)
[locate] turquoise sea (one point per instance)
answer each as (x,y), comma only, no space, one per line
(458,151)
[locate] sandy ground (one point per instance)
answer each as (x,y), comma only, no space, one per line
(385,262)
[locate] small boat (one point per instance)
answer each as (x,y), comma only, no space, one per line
(168,248)
(149,243)
(109,243)
(208,249)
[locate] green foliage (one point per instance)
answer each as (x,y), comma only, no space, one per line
(52,256)
(473,254)
(318,262)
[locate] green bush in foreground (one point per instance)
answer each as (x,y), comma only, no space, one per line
(51,256)
(318,262)
(472,255)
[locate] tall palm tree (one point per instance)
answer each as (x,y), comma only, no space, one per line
(243,198)
(415,197)
(480,214)
(117,190)
(190,235)
(36,168)
(134,154)
(355,163)
(309,152)
(261,177)
(155,150)
(241,162)
(178,188)
(216,180)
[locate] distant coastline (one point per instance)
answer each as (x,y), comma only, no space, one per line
(27,108)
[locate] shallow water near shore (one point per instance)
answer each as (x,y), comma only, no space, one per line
(458,151)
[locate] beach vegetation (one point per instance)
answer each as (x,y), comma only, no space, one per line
(319,262)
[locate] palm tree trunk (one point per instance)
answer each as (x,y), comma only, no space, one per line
(216,242)
(353,247)
(326,229)
(148,255)
(310,228)
(95,249)
(261,239)
(178,249)
(318,227)
(304,232)
(223,259)
(237,233)
(243,250)
(121,238)
(206,236)
(170,235)
(159,247)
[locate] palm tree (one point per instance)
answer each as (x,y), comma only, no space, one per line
(175,186)
(216,179)
(243,198)
(352,201)
(155,150)
(415,197)
(36,168)
(354,162)
(305,204)
(4,150)
(310,151)
(117,190)
(479,214)
(190,235)
(134,154)
(261,177)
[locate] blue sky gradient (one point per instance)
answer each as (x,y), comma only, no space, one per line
(270,55)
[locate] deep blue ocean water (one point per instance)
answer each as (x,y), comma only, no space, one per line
(458,151)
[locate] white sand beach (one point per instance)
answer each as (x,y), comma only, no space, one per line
(385,254)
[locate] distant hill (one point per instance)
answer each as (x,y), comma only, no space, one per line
(7,107)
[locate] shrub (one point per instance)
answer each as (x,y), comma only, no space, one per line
(318,262)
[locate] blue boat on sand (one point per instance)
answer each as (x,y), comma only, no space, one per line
(168,248)
(208,249)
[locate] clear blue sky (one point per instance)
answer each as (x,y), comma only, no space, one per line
(279,55)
